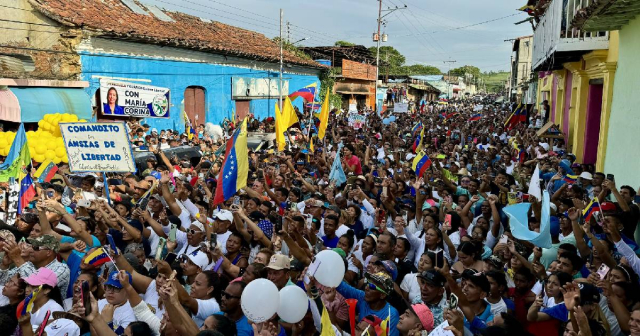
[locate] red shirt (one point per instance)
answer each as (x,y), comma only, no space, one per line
(354,161)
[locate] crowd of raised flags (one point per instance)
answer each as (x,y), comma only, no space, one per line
(456,219)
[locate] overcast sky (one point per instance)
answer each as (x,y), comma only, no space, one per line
(427,32)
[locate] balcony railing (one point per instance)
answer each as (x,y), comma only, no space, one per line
(554,34)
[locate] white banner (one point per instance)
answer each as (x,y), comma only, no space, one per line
(13,196)
(132,99)
(98,147)
(478,107)
(357,120)
(400,107)
(353,107)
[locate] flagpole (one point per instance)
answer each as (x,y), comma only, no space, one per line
(281,61)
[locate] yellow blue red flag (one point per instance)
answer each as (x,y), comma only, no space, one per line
(235,168)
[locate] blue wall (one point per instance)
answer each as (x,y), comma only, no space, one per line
(177,76)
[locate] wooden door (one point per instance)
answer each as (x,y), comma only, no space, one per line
(194,104)
(242,109)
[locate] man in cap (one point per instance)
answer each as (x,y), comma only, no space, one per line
(117,298)
(373,300)
(471,299)
(418,317)
(278,271)
(44,251)
(222,221)
(432,293)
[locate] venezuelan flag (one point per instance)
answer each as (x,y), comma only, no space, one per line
(417,128)
(16,162)
(514,118)
(46,171)
(418,140)
(475,117)
(308,93)
(451,115)
(27,192)
(570,179)
(97,257)
(593,207)
(235,167)
(421,163)
(314,105)
(26,306)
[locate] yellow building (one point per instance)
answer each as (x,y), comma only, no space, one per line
(576,70)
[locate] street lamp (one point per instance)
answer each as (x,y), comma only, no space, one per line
(300,40)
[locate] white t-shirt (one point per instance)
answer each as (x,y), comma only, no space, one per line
(38,317)
(410,285)
(3,299)
(151,297)
(122,316)
(206,308)
(497,308)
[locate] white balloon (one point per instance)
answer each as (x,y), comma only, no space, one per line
(331,269)
(260,300)
(293,304)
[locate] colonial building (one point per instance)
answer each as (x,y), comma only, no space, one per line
(618,151)
(211,69)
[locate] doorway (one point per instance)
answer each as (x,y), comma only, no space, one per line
(194,100)
(592,124)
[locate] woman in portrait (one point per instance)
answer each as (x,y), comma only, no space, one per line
(111,106)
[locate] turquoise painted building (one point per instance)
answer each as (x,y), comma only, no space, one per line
(211,70)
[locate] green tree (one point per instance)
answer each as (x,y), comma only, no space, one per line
(419,69)
(393,58)
(464,70)
(344,44)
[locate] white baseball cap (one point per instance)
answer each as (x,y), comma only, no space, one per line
(224,215)
(62,327)
(586,176)
(199,259)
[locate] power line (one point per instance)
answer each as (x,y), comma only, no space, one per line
(423,28)
(35,24)
(270,18)
(253,20)
(473,25)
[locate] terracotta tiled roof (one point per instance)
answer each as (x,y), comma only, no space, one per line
(113,18)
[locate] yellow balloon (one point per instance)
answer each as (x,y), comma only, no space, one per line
(41,148)
(57,160)
(38,157)
(51,145)
(74,118)
(5,151)
(65,159)
(3,143)
(82,120)
(50,155)
(60,152)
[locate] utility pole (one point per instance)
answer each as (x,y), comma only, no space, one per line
(449,78)
(281,61)
(378,38)
(511,73)
(387,60)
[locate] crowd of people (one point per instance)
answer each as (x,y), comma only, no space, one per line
(151,254)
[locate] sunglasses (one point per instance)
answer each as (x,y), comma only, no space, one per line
(192,231)
(39,248)
(372,286)
(229,296)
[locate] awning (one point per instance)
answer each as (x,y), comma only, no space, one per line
(9,106)
(355,92)
(35,102)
